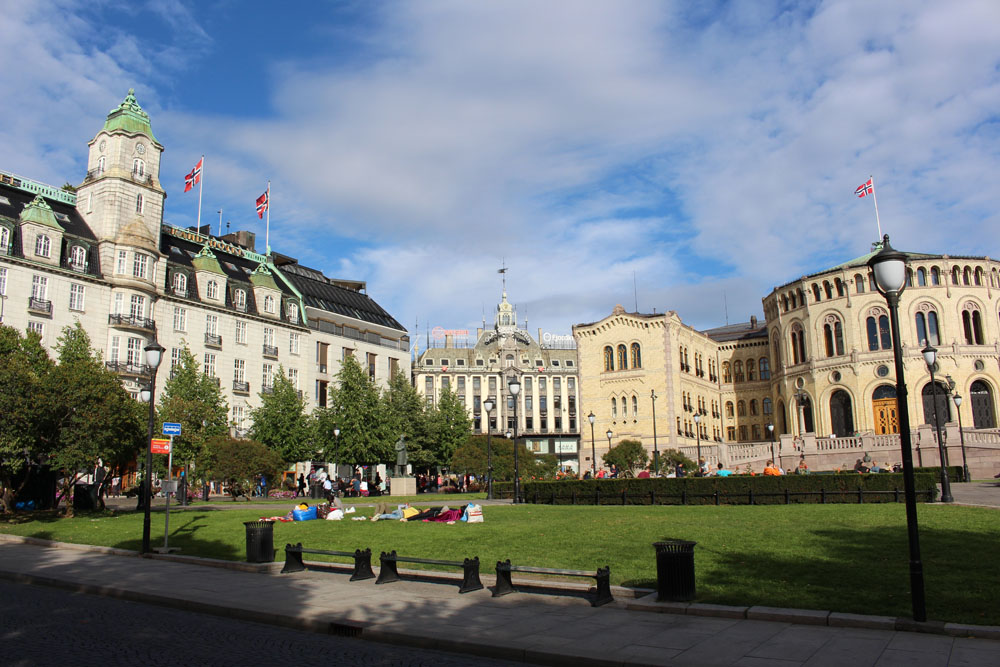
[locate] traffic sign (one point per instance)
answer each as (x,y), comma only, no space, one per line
(159,446)
(171,428)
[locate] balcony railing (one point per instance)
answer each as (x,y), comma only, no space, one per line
(132,321)
(240,307)
(179,291)
(241,387)
(79,267)
(271,351)
(126,368)
(267,389)
(215,340)
(39,305)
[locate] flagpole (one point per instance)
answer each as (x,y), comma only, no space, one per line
(267,232)
(220,222)
(875,199)
(201,185)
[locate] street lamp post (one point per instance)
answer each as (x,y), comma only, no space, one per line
(889,270)
(770,431)
(593,448)
(154,354)
(930,358)
(514,387)
(656,451)
(965,464)
(488,404)
(336,454)
(609,434)
(697,435)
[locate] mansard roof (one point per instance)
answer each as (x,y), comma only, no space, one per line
(324,293)
(66,215)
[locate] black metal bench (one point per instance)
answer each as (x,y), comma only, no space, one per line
(470,569)
(362,560)
(603,577)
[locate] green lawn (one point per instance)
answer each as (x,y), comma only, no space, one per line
(849,558)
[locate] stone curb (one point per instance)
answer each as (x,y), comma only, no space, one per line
(642,600)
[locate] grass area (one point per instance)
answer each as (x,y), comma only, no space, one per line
(849,558)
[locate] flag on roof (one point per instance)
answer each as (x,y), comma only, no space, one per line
(261,204)
(194,177)
(866,188)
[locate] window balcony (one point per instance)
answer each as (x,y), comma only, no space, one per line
(179,291)
(271,351)
(39,306)
(240,307)
(241,387)
(267,389)
(213,340)
(78,267)
(132,322)
(129,369)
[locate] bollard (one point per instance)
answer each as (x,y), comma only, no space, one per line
(675,570)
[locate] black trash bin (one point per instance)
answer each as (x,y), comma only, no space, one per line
(84,497)
(204,493)
(315,491)
(675,570)
(182,491)
(260,541)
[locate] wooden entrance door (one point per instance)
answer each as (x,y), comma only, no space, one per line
(886,416)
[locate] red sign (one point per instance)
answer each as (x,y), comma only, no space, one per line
(159,446)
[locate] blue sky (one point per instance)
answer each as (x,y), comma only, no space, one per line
(710,150)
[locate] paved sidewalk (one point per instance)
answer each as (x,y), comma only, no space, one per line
(544,629)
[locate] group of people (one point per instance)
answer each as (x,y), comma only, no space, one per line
(337,487)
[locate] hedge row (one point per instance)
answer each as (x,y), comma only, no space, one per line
(758,490)
(955,473)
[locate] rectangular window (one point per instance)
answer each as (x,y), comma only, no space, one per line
(393,366)
(119,303)
(542,406)
(180,319)
(348,352)
(175,358)
(212,325)
(37,327)
(268,376)
(239,417)
(122,265)
(239,370)
(371,365)
(293,343)
(134,355)
(3,281)
(269,336)
(138,307)
(209,364)
(39,287)
(75,297)
(139,265)
(527,403)
(293,377)
(529,422)
(113,352)
(241,332)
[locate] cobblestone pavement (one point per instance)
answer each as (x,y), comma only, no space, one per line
(45,626)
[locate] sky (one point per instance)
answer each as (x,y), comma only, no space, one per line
(685,156)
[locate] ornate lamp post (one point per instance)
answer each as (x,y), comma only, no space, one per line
(609,434)
(965,464)
(770,431)
(697,434)
(514,387)
(593,449)
(656,451)
(154,354)
(336,453)
(930,358)
(488,404)
(889,270)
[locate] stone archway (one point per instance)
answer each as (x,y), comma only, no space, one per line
(885,410)
(841,414)
(943,404)
(983,415)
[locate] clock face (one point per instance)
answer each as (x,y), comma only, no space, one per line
(102,145)
(140,149)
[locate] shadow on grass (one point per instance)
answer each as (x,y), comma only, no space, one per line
(860,570)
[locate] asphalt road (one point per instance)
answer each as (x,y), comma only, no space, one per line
(47,626)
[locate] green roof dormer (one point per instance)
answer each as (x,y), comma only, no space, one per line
(39,212)
(129,117)
(205,261)
(261,277)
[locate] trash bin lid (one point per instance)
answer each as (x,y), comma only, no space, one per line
(674,545)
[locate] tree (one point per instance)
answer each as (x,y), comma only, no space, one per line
(471,457)
(450,426)
(354,407)
(195,401)
(669,458)
(281,423)
(238,463)
(628,456)
(405,413)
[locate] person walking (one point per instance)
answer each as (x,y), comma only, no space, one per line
(301,489)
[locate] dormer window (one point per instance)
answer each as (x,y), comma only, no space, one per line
(78,258)
(293,313)
(240,300)
(212,290)
(180,284)
(43,246)
(268,304)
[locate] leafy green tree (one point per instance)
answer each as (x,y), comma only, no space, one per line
(195,401)
(281,422)
(472,457)
(25,410)
(238,463)
(355,408)
(669,458)
(405,413)
(450,426)
(628,456)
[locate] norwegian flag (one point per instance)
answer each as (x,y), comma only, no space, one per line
(866,188)
(194,177)
(262,204)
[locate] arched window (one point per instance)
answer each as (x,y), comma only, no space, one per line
(827,289)
(859,283)
(841,290)
(635,406)
(622,357)
(180,284)
(727,372)
(138,168)
(879,336)
(833,337)
(766,405)
(609,359)
(738,370)
(909,277)
(967,276)
(753,407)
(729,409)
(921,277)
(872,329)
(794,299)
(138,203)
(100,165)
(776,344)
(43,245)
(927,326)
(212,290)
(624,407)
(268,304)
(614,407)
(636,356)
(972,323)
(765,369)
(838,337)
(240,300)
(751,370)
(798,344)
(935,276)
(4,238)
(956,275)
(293,313)
(978,277)
(815,289)
(741,408)
(784,302)
(78,257)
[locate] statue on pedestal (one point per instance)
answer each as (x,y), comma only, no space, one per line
(401,457)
